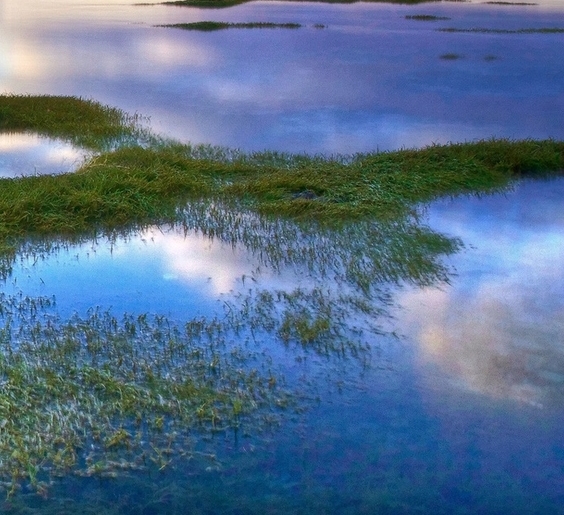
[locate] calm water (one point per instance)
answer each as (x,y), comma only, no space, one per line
(28,154)
(371,79)
(462,411)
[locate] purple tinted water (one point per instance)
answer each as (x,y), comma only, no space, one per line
(371,79)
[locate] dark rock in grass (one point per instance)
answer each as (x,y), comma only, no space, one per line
(305,195)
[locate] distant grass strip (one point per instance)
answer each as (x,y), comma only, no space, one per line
(547,30)
(510,3)
(208,26)
(425,17)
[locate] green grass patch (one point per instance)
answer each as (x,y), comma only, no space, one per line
(218,25)
(137,185)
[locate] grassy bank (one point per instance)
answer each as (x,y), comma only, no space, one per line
(85,123)
(137,184)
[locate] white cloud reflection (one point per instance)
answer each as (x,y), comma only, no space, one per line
(194,258)
(29,154)
(499,329)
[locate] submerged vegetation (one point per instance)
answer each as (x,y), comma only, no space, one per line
(100,395)
(219,25)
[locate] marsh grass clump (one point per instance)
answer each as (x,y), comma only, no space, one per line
(451,56)
(84,123)
(208,26)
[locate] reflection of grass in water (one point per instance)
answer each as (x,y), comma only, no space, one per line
(451,57)
(548,30)
(208,26)
(117,391)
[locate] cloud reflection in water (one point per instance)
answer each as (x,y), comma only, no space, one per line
(29,154)
(499,328)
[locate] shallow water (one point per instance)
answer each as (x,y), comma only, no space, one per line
(460,413)
(24,154)
(371,79)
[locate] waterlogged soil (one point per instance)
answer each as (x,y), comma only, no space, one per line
(450,401)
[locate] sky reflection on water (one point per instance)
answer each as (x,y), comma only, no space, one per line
(498,330)
(371,79)
(465,410)
(159,270)
(28,154)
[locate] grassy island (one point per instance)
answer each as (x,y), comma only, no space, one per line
(143,180)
